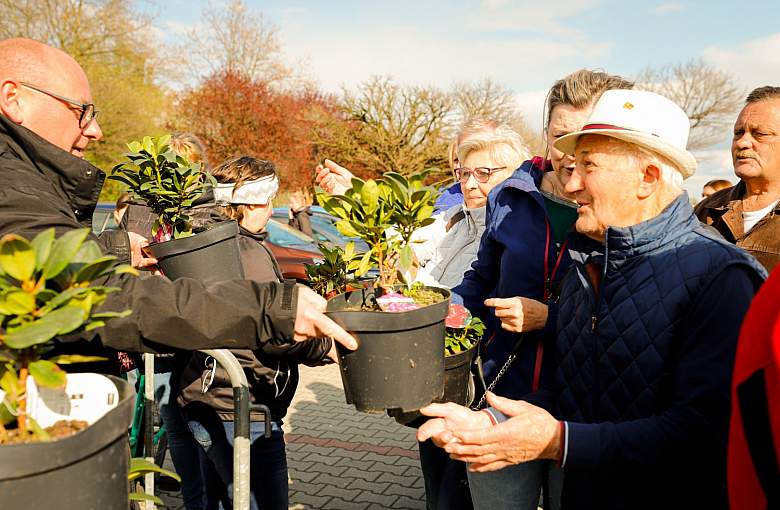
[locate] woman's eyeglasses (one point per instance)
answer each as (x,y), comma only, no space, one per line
(481,174)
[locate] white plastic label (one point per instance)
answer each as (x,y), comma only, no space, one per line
(85,397)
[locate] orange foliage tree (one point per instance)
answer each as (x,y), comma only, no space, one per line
(235,115)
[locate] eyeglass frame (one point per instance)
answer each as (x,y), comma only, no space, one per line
(473,171)
(84,106)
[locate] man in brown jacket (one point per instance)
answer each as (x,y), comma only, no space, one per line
(748,214)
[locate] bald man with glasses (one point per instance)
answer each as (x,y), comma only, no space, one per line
(47,119)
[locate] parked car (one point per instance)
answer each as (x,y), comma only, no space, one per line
(323,226)
(291,248)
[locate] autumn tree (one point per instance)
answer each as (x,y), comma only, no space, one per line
(709,96)
(234,114)
(111,41)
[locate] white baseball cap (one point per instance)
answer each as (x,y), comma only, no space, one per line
(644,118)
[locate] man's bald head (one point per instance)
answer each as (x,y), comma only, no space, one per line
(32,61)
(24,61)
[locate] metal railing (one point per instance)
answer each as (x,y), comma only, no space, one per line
(241,408)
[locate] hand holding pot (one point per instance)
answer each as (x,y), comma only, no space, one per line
(333,178)
(139,257)
(519,314)
(311,322)
(530,433)
(448,418)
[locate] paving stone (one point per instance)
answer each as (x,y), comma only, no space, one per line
(389,468)
(336,481)
(380,499)
(339,492)
(340,504)
(409,503)
(410,492)
(365,475)
(406,461)
(365,485)
(391,478)
(379,458)
(309,500)
(327,469)
(357,464)
(303,476)
(349,455)
(313,458)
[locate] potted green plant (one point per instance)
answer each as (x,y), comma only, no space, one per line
(58,435)
(463,333)
(168,184)
(399,363)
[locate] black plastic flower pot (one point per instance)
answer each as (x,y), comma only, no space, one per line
(399,363)
(85,471)
(458,387)
(208,256)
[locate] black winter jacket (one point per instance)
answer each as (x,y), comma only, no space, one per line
(44,186)
(272,372)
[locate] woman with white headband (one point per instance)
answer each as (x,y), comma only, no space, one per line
(245,191)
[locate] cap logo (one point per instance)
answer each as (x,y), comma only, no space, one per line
(628,105)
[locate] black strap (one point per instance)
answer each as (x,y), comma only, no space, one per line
(458,216)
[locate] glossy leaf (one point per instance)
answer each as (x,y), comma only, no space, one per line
(64,250)
(69,359)
(17,257)
(47,374)
(59,322)
(42,244)
(16,302)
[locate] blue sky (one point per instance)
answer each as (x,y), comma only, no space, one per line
(525,45)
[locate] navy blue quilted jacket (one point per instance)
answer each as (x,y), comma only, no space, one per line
(511,262)
(643,363)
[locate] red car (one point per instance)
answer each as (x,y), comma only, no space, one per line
(292,249)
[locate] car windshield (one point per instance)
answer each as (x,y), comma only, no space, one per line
(283,235)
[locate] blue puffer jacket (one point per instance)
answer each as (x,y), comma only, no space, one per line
(511,262)
(643,363)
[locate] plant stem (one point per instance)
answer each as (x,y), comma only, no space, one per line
(22,407)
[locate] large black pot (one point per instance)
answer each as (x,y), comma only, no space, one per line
(86,471)
(458,387)
(399,363)
(209,256)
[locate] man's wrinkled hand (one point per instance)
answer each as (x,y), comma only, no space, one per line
(531,433)
(139,255)
(447,418)
(519,314)
(333,178)
(311,321)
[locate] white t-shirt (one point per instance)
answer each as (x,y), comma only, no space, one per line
(753,217)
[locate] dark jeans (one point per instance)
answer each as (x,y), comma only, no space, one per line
(268,461)
(446,482)
(185,452)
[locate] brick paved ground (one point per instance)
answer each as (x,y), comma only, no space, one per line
(340,458)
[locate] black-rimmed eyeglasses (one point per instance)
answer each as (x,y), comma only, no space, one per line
(481,174)
(88,111)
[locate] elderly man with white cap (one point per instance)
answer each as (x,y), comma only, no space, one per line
(645,331)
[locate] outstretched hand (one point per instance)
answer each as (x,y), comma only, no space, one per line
(333,178)
(519,314)
(140,257)
(531,433)
(449,417)
(311,321)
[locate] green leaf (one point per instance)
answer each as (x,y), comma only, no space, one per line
(140,466)
(47,374)
(17,257)
(365,264)
(58,322)
(406,258)
(69,359)
(16,302)
(42,244)
(95,269)
(142,496)
(36,429)
(64,250)
(369,196)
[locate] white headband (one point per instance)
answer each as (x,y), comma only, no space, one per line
(257,192)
